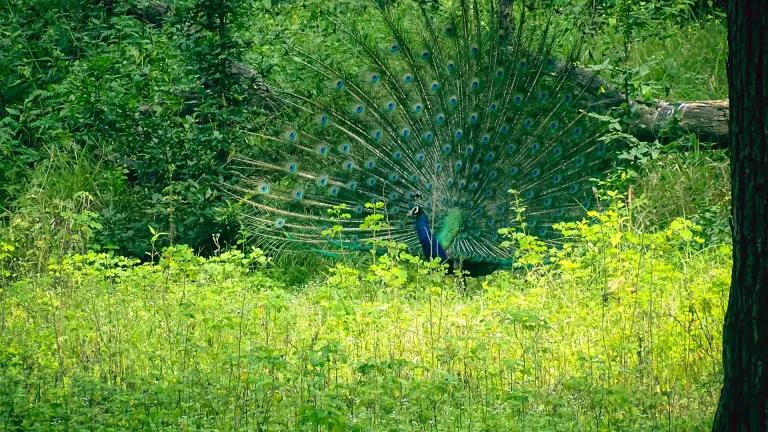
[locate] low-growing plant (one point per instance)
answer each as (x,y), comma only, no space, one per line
(617,328)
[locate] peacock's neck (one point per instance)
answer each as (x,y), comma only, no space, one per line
(430,245)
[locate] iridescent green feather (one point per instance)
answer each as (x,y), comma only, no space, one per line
(450,226)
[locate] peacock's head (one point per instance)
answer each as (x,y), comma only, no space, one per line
(415,211)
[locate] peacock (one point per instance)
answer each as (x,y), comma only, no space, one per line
(448,123)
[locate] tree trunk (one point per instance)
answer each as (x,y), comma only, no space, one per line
(744,398)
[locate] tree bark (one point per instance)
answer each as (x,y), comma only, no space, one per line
(744,398)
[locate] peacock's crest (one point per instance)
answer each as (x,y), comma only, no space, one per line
(447,112)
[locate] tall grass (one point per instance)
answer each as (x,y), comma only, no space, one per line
(617,330)
(694,185)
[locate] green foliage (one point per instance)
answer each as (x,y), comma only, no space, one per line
(617,330)
(161,107)
(695,185)
(672,50)
(158,109)
(662,49)
(50,226)
(37,40)
(115,136)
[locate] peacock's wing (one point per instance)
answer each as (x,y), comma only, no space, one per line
(448,110)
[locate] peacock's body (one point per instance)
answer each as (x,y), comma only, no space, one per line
(446,114)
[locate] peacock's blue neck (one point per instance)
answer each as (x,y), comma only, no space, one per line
(429,244)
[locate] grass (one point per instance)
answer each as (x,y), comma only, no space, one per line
(693,185)
(688,64)
(620,330)
(674,63)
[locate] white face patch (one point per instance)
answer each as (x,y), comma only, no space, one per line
(414,210)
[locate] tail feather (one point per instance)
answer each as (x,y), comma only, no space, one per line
(448,111)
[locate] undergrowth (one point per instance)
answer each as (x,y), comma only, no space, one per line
(617,329)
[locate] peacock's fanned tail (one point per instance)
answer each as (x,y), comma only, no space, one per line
(450,112)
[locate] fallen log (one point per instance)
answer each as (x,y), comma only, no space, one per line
(670,120)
